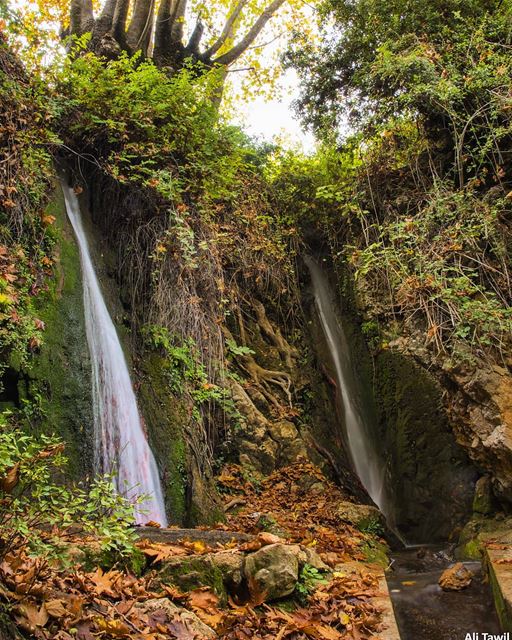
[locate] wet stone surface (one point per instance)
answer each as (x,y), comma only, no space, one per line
(424,611)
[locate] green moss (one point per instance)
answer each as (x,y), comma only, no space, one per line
(166,417)
(376,552)
(472,550)
(194,573)
(503,607)
(431,478)
(58,382)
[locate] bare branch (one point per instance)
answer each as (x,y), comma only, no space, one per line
(195,38)
(227,29)
(234,53)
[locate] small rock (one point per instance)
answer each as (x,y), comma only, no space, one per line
(273,571)
(188,618)
(483,501)
(230,565)
(360,515)
(306,555)
(455,578)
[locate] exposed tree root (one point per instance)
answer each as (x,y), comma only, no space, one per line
(287,352)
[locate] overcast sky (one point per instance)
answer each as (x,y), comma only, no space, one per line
(275,118)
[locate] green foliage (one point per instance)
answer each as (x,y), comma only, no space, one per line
(148,127)
(371,49)
(37,511)
(186,372)
(26,239)
(238,350)
(372,527)
(309,580)
(421,213)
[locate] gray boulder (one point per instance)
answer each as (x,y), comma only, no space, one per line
(272,570)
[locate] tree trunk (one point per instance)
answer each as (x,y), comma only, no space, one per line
(163,31)
(110,34)
(139,32)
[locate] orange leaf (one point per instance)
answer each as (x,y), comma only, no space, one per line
(11,478)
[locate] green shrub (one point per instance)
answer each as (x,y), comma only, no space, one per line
(38,510)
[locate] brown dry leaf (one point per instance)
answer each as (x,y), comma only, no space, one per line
(257,595)
(324,632)
(124,606)
(48,219)
(103,581)
(197,546)
(83,631)
(268,538)
(50,451)
(37,616)
(203,598)
(75,606)
(174,593)
(252,545)
(161,552)
(56,608)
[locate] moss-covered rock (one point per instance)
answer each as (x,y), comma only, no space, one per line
(430,477)
(59,380)
(193,573)
(189,491)
(376,552)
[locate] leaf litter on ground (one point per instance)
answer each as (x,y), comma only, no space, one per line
(52,602)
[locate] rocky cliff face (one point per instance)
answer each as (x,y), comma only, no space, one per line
(477,399)
(480,408)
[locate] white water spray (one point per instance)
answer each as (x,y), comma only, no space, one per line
(120,442)
(361,447)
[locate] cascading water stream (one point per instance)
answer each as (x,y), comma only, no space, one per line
(120,443)
(423,610)
(365,459)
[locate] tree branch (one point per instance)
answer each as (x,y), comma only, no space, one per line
(195,39)
(227,29)
(234,53)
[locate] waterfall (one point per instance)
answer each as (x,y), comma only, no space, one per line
(120,444)
(362,451)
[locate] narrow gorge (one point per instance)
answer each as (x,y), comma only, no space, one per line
(249,391)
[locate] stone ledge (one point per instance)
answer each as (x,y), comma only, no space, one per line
(500,578)
(382,600)
(208,536)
